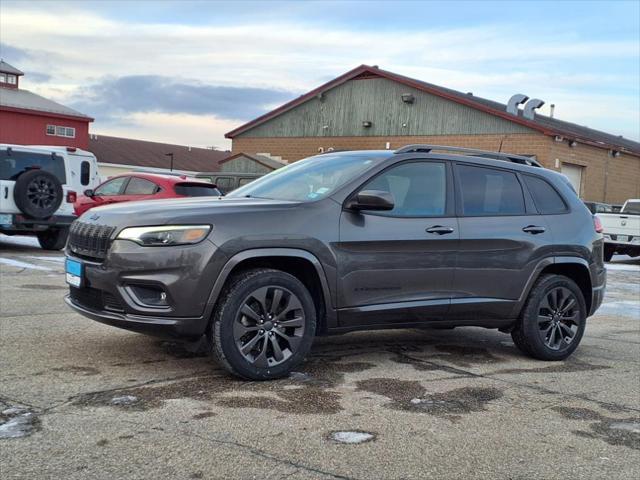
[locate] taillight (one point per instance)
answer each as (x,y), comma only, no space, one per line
(597,224)
(71,196)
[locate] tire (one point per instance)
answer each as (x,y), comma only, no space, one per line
(609,252)
(246,318)
(53,239)
(37,194)
(532,334)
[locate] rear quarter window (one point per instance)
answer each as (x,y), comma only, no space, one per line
(196,190)
(13,163)
(547,200)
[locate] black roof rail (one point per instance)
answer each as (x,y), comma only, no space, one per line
(509,157)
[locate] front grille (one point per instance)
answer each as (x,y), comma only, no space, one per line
(90,240)
(95,299)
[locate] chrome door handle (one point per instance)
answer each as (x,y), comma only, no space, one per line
(534,229)
(439,229)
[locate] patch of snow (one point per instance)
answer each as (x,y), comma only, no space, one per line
(20,423)
(625,267)
(124,400)
(623,308)
(19,264)
(20,240)
(352,437)
(423,401)
(59,259)
(633,427)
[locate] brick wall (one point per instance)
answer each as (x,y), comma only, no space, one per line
(620,183)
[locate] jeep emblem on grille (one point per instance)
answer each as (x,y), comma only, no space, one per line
(95,216)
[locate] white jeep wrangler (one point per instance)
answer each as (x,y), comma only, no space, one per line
(38,186)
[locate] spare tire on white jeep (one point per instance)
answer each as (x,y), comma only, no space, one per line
(37,193)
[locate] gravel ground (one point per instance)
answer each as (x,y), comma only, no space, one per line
(82,400)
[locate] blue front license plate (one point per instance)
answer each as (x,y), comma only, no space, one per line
(74,272)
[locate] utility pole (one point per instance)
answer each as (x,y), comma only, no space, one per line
(171,156)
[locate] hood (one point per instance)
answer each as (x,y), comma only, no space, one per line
(177,211)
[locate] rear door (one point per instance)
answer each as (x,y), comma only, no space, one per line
(502,241)
(397,266)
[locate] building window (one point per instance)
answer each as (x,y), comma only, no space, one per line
(11,79)
(58,131)
(3,78)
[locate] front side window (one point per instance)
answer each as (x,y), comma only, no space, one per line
(489,192)
(418,189)
(545,197)
(140,186)
(111,187)
(307,180)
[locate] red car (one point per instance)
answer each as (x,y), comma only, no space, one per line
(142,186)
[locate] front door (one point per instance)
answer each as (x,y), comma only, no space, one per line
(502,241)
(396,267)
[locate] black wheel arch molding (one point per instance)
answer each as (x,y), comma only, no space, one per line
(331,318)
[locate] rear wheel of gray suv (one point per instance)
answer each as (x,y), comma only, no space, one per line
(553,319)
(264,324)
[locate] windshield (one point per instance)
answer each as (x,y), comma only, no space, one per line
(310,179)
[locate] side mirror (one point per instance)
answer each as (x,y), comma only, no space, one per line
(375,200)
(89,193)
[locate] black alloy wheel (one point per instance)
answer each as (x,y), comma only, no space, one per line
(269,326)
(558,318)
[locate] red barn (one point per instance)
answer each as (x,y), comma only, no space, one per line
(29,119)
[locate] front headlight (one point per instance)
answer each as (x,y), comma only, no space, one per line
(165,235)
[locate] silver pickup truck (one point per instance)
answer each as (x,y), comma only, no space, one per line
(622,230)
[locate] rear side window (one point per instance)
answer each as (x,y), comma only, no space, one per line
(489,192)
(632,208)
(196,190)
(140,186)
(85,172)
(13,163)
(547,200)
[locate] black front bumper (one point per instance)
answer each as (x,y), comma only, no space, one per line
(167,327)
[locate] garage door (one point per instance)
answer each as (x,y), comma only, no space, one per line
(574,174)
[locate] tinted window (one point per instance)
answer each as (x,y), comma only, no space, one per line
(418,189)
(632,208)
(140,186)
(85,173)
(547,200)
(196,190)
(14,163)
(225,183)
(112,187)
(490,192)
(245,181)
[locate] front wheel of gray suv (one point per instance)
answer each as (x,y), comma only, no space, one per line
(553,319)
(264,324)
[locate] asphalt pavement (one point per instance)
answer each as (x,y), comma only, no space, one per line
(81,400)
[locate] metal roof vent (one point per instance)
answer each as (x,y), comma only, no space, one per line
(517,99)
(529,108)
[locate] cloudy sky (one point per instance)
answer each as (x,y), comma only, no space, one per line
(187,72)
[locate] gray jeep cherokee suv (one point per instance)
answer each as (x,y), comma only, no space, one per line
(423,236)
